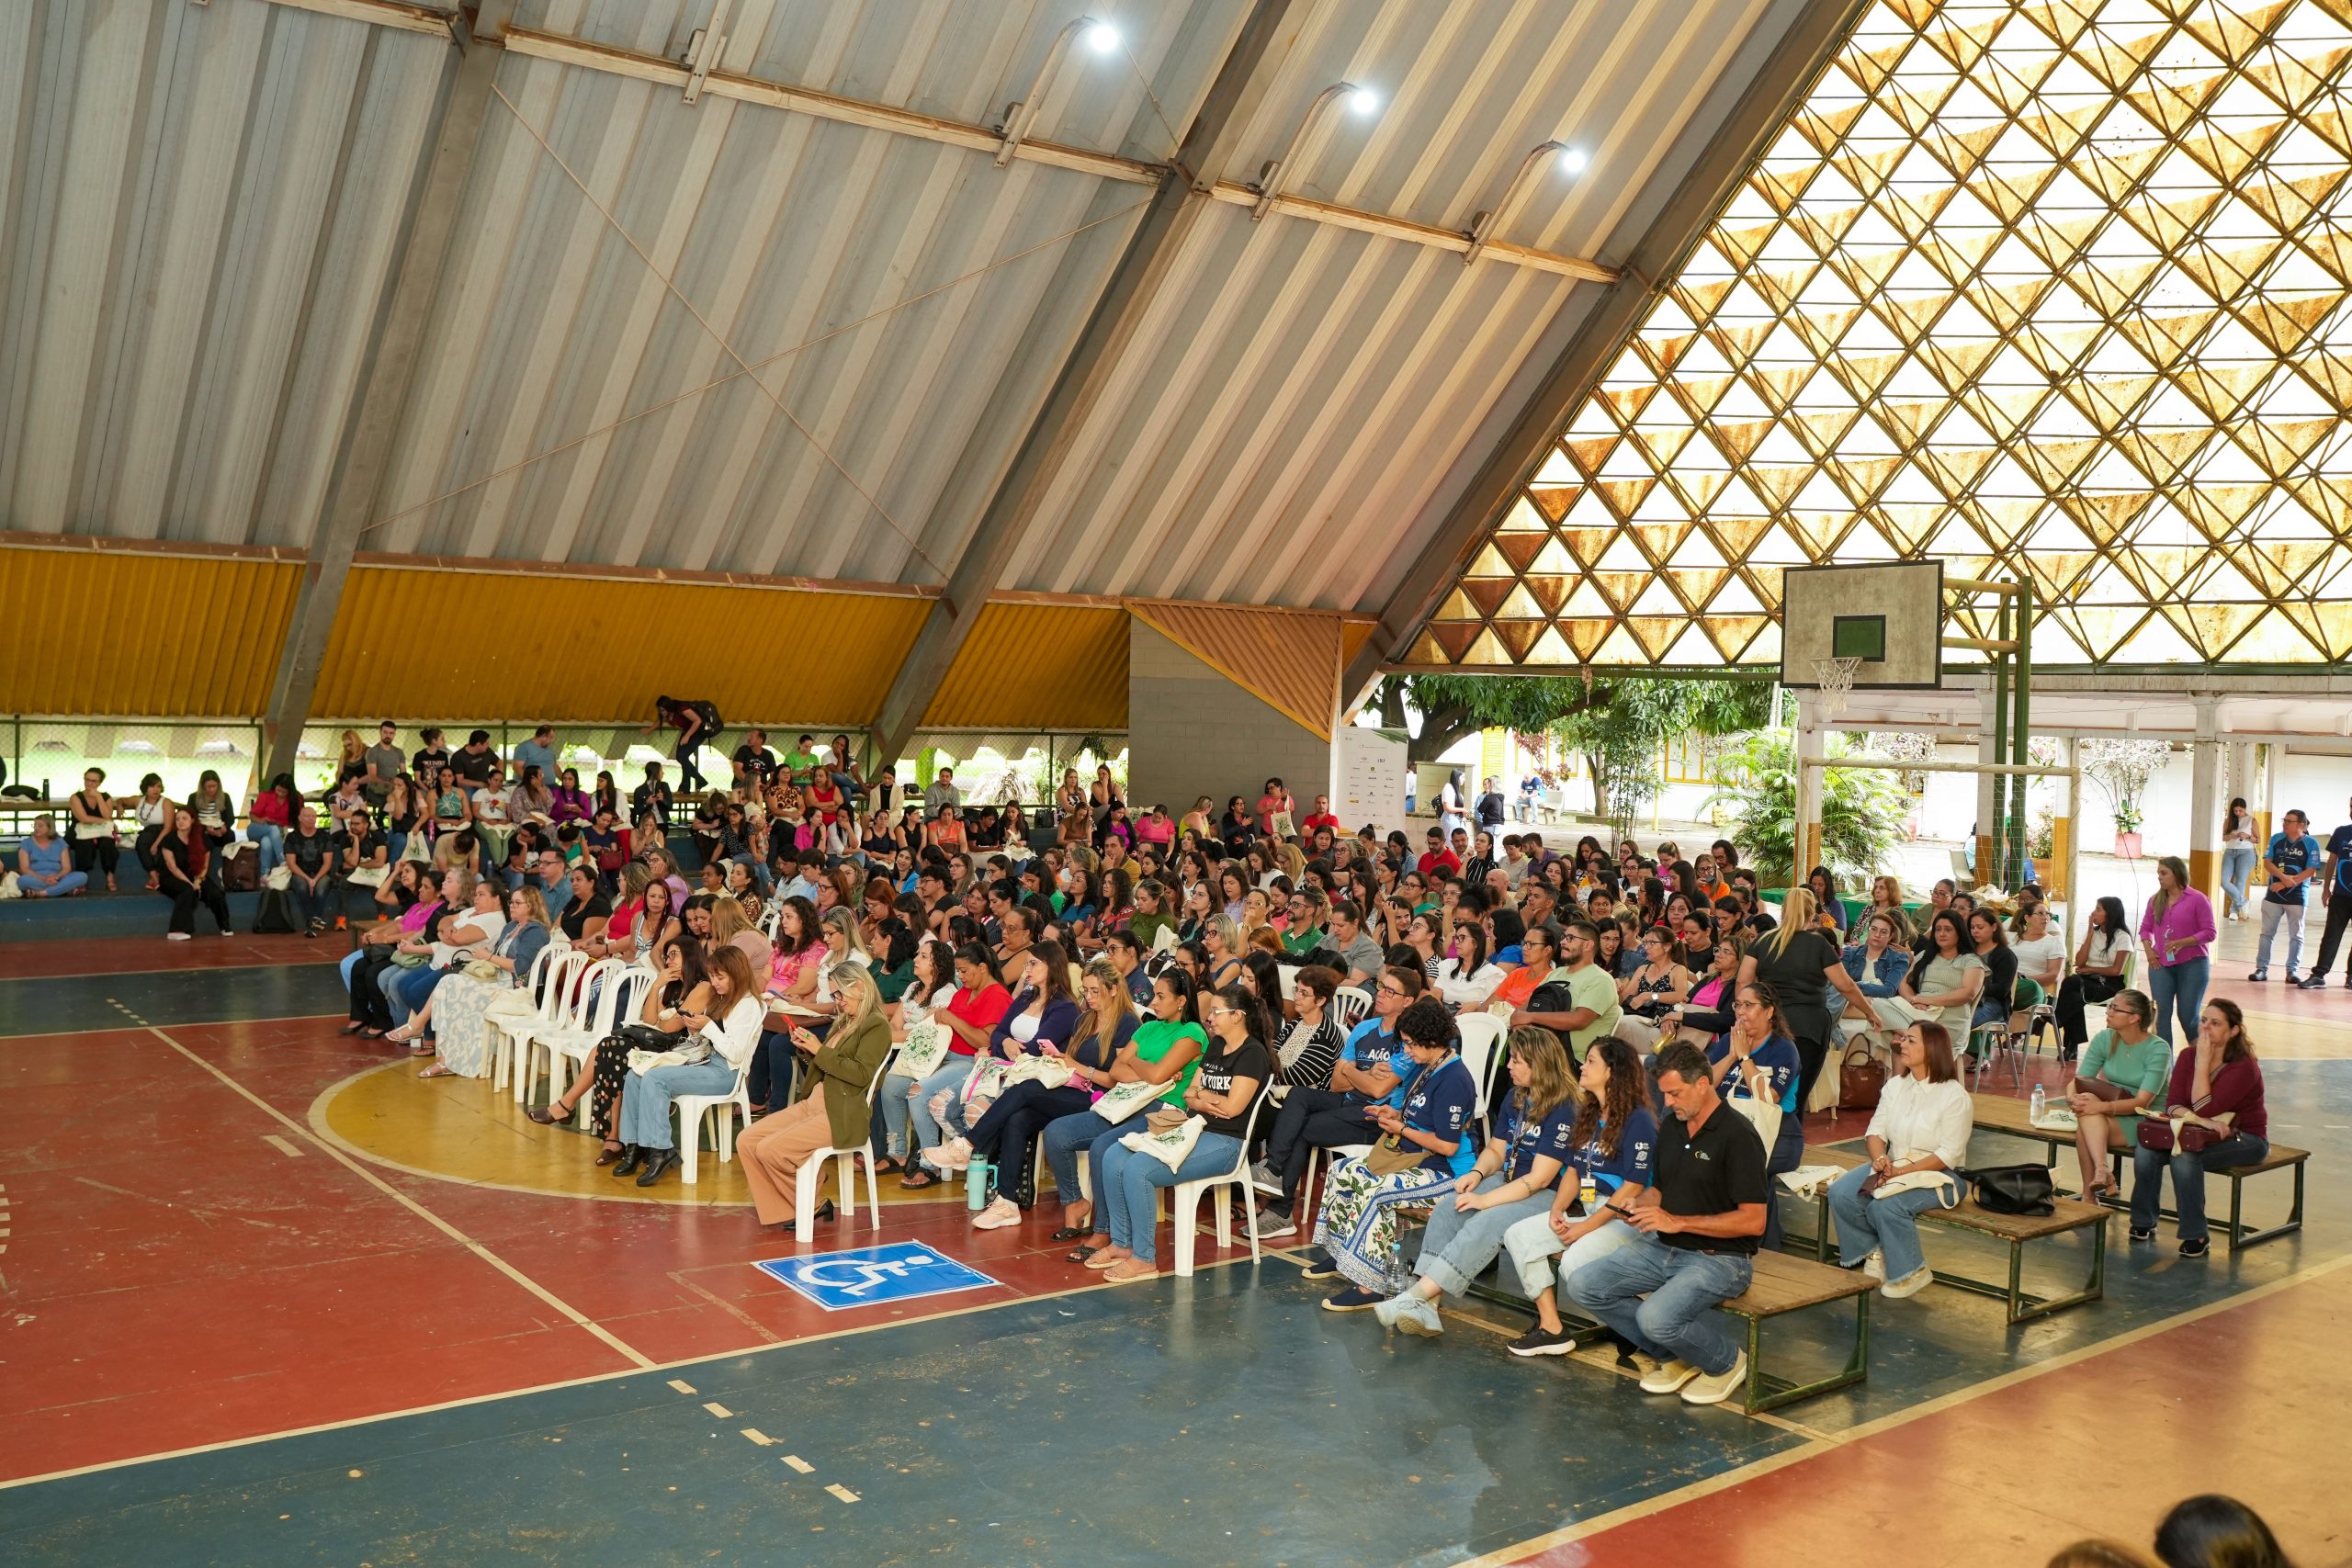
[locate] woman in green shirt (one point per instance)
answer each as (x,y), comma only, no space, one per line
(2126,1058)
(1165,1049)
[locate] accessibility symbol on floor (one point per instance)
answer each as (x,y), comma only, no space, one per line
(865,1276)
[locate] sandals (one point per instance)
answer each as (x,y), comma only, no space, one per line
(608,1154)
(402,1035)
(917,1178)
(1071,1232)
(422,1048)
(547,1115)
(889,1165)
(437,1070)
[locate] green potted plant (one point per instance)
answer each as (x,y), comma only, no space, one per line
(2041,846)
(2122,769)
(2126,829)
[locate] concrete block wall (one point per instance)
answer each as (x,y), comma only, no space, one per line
(1193,732)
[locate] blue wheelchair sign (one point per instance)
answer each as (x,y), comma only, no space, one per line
(867,1276)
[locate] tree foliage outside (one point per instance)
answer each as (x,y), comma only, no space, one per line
(2122,768)
(1623,734)
(1862,813)
(1454,708)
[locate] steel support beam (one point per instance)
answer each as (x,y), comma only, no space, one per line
(382,13)
(1175,208)
(1771,97)
(392,372)
(1429,234)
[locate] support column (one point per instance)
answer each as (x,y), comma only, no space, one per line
(2205,756)
(1989,741)
(2060,883)
(1812,738)
(376,426)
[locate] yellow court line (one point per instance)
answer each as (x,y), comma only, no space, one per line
(1742,1474)
(404,1201)
(587,1379)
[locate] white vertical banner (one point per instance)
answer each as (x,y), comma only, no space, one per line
(1370,783)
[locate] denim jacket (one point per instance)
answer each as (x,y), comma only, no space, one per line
(1893,965)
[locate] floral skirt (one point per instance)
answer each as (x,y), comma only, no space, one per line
(460,1004)
(1361,1218)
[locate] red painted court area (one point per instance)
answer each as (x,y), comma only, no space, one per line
(191,1267)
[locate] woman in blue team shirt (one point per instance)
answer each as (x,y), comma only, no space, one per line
(1756,1059)
(1610,1146)
(1358,1228)
(1513,1181)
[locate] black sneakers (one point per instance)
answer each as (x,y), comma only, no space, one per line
(1541,1341)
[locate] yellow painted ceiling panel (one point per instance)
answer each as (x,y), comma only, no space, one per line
(1037,667)
(85,631)
(588,648)
(1288,660)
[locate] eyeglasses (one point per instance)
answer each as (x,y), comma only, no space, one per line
(1392,990)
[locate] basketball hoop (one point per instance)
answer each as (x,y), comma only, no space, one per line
(1836,678)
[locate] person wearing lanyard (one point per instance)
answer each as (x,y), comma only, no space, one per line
(2175,929)
(1696,1243)
(1756,1060)
(1512,1178)
(1612,1148)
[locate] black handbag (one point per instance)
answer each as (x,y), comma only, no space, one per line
(2023,1190)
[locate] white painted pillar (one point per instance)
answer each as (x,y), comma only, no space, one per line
(1988,786)
(1812,738)
(2205,801)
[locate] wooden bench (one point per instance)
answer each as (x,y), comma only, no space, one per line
(2013,1118)
(1782,1284)
(2016,1230)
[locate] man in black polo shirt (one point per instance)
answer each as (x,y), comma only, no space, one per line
(1696,1246)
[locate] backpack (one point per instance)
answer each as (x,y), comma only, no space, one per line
(276,917)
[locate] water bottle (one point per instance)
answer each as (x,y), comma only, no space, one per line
(2039,1098)
(976,1185)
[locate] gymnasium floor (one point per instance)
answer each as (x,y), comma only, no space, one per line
(269,1298)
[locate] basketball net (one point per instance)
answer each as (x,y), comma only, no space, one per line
(1836,679)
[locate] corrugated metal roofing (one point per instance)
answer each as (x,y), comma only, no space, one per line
(1298,399)
(93,631)
(198,210)
(1037,666)
(585,649)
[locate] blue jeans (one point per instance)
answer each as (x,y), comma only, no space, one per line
(1457,1248)
(1663,1299)
(72,882)
(1066,1137)
(406,989)
(2238,862)
(1128,1185)
(2188,1179)
(350,962)
(2179,988)
(1888,1226)
(916,1102)
(645,1103)
(268,840)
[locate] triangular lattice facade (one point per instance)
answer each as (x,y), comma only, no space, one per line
(2049,290)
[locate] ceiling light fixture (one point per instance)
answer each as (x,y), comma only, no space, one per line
(1363,100)
(1021,115)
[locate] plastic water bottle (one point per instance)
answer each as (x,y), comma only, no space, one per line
(2040,1098)
(976,1185)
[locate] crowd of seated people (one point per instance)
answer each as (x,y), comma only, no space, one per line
(1055,990)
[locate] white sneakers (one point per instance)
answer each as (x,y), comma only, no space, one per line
(177,936)
(1875,1265)
(1911,1284)
(1713,1388)
(1002,1212)
(954,1155)
(1412,1312)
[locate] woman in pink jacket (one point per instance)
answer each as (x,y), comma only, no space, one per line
(2176,930)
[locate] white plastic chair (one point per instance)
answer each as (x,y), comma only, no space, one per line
(569,1048)
(592,984)
(1481,1032)
(496,1041)
(1164,940)
(812,1170)
(1349,1006)
(1184,1203)
(1287,979)
(565,992)
(693,1108)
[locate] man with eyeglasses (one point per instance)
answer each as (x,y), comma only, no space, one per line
(1591,993)
(553,879)
(1372,1071)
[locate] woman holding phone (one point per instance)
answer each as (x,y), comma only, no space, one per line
(832,1110)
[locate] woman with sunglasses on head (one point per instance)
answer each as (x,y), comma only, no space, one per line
(1224,1090)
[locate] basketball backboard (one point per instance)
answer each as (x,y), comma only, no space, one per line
(1890,617)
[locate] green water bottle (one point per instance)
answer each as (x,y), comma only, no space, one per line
(976,1185)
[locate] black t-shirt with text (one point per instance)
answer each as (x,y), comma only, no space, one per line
(1711,1172)
(1219,1070)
